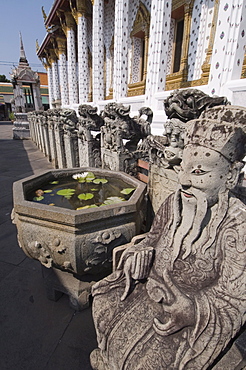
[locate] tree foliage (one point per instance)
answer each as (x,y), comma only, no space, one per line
(3,78)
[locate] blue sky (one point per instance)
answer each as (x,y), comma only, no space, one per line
(23,16)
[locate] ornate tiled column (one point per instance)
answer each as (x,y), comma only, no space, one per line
(79,13)
(98,51)
(61,44)
(207,63)
(201,24)
(228,50)
(50,84)
(121,37)
(158,48)
(71,60)
(55,78)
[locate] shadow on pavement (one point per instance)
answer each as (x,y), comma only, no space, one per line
(35,333)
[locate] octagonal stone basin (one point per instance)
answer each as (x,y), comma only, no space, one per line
(76,241)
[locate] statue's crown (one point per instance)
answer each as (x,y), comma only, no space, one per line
(222,128)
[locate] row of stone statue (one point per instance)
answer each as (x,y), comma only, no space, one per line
(109,140)
(113,139)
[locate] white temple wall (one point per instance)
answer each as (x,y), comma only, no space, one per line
(113,66)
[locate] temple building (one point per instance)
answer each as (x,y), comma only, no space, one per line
(136,52)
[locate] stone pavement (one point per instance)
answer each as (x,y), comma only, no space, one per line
(35,333)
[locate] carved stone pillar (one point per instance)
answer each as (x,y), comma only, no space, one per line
(98,51)
(59,140)
(120,49)
(70,119)
(61,44)
(158,47)
(89,123)
(46,135)
(228,50)
(51,123)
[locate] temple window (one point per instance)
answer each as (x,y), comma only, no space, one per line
(176,39)
(138,53)
(178,45)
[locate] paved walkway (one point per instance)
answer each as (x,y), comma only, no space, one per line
(35,333)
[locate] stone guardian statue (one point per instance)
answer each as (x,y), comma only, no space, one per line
(178,297)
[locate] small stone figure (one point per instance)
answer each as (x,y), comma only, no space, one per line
(177,298)
(89,134)
(123,139)
(180,107)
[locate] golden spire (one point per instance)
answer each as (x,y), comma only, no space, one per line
(44,14)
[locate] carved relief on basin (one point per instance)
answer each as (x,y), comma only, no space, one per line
(78,241)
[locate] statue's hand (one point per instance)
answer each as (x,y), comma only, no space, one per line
(181,310)
(136,265)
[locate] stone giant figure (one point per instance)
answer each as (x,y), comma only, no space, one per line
(178,297)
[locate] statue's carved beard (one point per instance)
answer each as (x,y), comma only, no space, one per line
(193,226)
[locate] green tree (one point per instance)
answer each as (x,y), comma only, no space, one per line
(3,78)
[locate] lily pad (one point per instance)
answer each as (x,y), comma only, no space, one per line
(54,182)
(100,181)
(127,191)
(67,193)
(90,177)
(85,196)
(47,191)
(86,207)
(38,198)
(113,200)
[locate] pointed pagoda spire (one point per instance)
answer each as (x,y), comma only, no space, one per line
(22,52)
